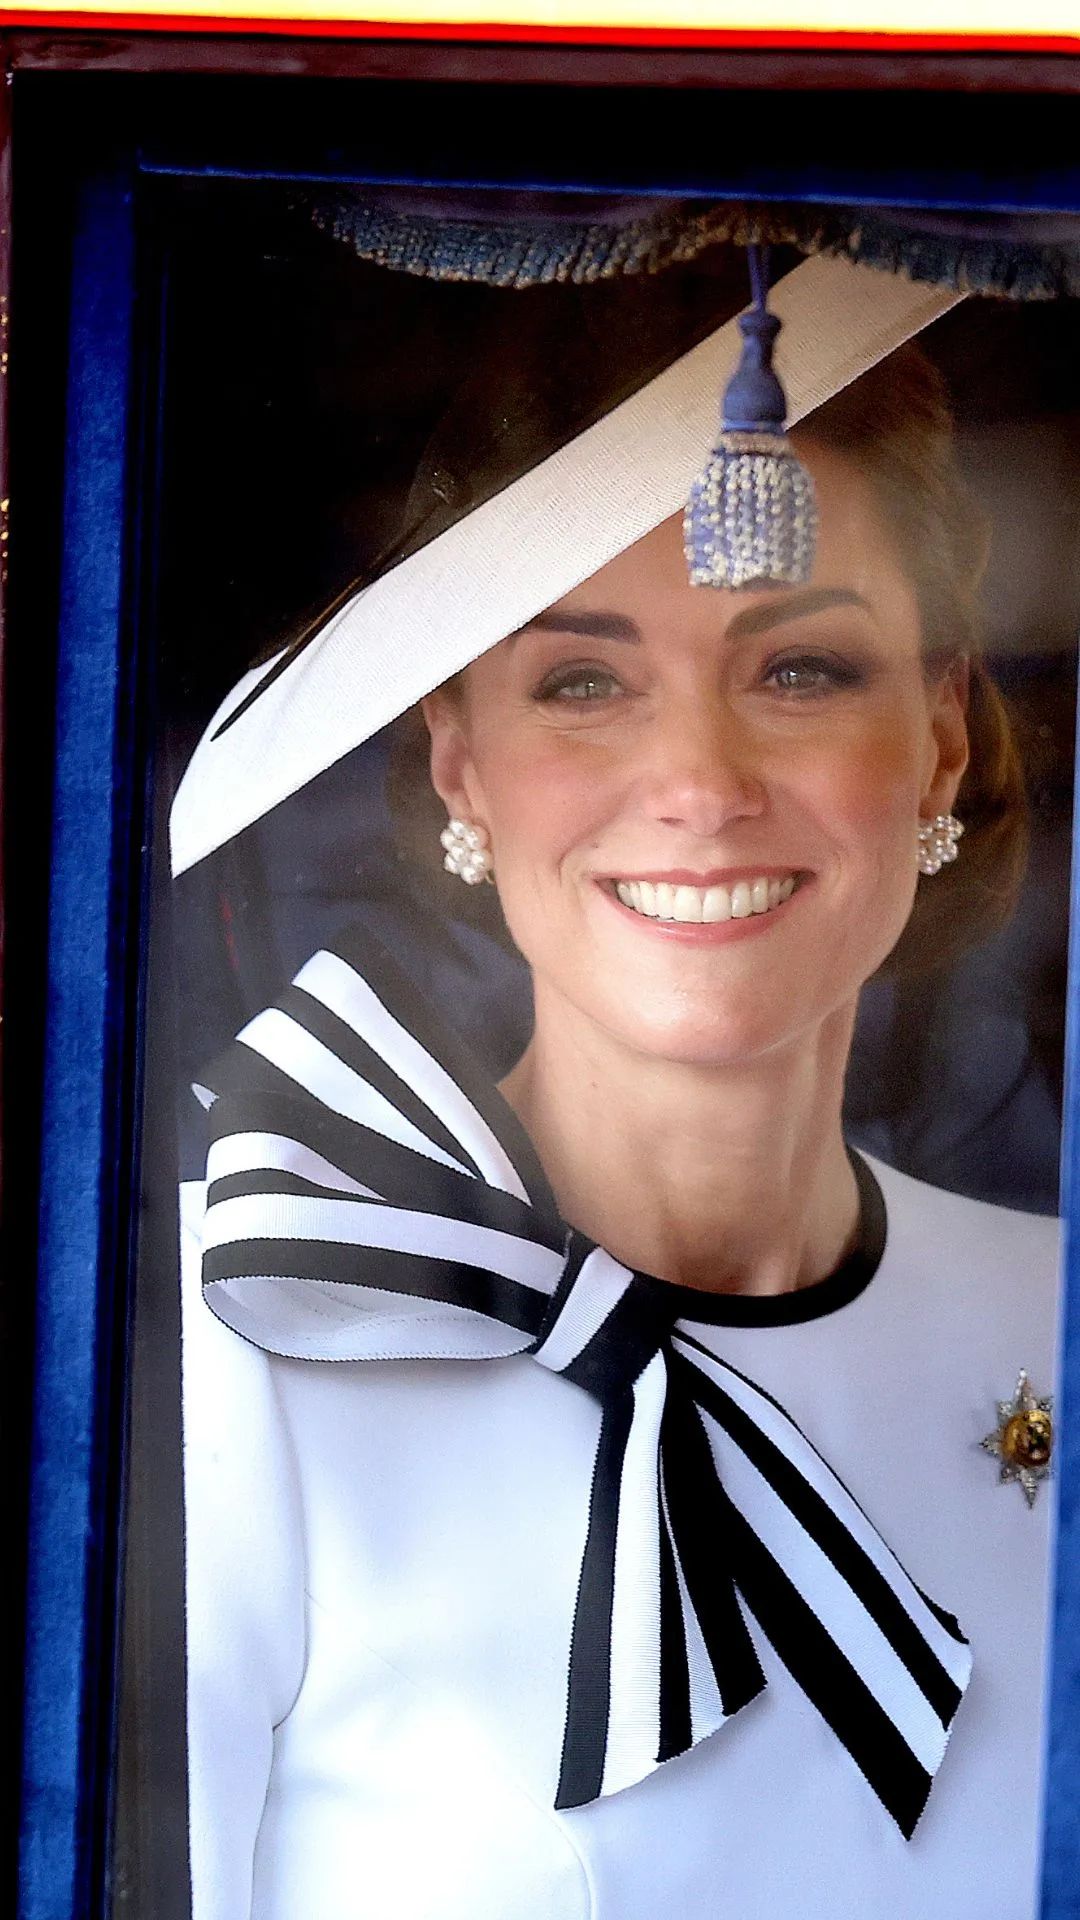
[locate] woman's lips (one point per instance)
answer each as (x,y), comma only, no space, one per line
(680,903)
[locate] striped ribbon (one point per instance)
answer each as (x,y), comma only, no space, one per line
(370,1195)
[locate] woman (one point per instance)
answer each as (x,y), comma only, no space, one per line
(644,1626)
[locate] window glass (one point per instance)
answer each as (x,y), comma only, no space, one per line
(569,1632)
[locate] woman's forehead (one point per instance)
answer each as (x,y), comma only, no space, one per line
(857,564)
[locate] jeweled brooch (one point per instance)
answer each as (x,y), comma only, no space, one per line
(1023,1439)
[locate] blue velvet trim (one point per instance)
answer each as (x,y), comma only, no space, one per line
(1061,1830)
(72,1525)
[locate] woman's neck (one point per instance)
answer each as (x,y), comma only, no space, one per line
(729,1179)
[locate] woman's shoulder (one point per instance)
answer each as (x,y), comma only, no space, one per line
(957,1218)
(1003,1263)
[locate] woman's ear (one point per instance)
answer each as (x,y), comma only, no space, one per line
(948,723)
(453,775)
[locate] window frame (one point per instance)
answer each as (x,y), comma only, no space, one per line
(99,880)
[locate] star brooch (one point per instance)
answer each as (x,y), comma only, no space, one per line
(1023,1439)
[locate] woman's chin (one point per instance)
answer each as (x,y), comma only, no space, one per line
(709,996)
(673,1026)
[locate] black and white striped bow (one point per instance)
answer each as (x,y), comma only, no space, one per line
(371,1196)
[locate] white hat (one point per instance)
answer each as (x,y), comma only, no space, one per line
(458,595)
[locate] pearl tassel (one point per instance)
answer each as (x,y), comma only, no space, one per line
(751,519)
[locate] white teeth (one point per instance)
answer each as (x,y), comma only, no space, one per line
(688,904)
(661,900)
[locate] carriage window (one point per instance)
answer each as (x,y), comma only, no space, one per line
(614,1438)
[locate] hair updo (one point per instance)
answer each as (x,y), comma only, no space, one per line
(895,425)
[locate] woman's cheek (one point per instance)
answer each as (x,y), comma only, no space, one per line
(873,788)
(549,798)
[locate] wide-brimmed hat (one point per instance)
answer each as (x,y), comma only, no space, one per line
(574,432)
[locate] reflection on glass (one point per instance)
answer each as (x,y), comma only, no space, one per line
(609,1471)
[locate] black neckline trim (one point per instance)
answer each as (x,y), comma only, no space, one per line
(838,1289)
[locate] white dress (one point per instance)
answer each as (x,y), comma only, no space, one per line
(382,1563)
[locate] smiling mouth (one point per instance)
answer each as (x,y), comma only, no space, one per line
(697,906)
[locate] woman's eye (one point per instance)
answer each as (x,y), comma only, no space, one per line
(578,684)
(812,673)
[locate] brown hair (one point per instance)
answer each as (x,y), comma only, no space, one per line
(895,425)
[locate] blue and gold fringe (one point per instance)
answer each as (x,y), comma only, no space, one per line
(1016,258)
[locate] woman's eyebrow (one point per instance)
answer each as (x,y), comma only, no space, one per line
(755,619)
(590,626)
(794,606)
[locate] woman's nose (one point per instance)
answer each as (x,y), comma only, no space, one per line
(706,771)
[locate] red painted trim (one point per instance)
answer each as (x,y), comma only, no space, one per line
(486,33)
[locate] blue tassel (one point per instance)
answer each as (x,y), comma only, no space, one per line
(751,518)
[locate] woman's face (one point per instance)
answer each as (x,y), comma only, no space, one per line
(703,805)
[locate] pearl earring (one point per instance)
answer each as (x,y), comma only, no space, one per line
(467,852)
(937,842)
